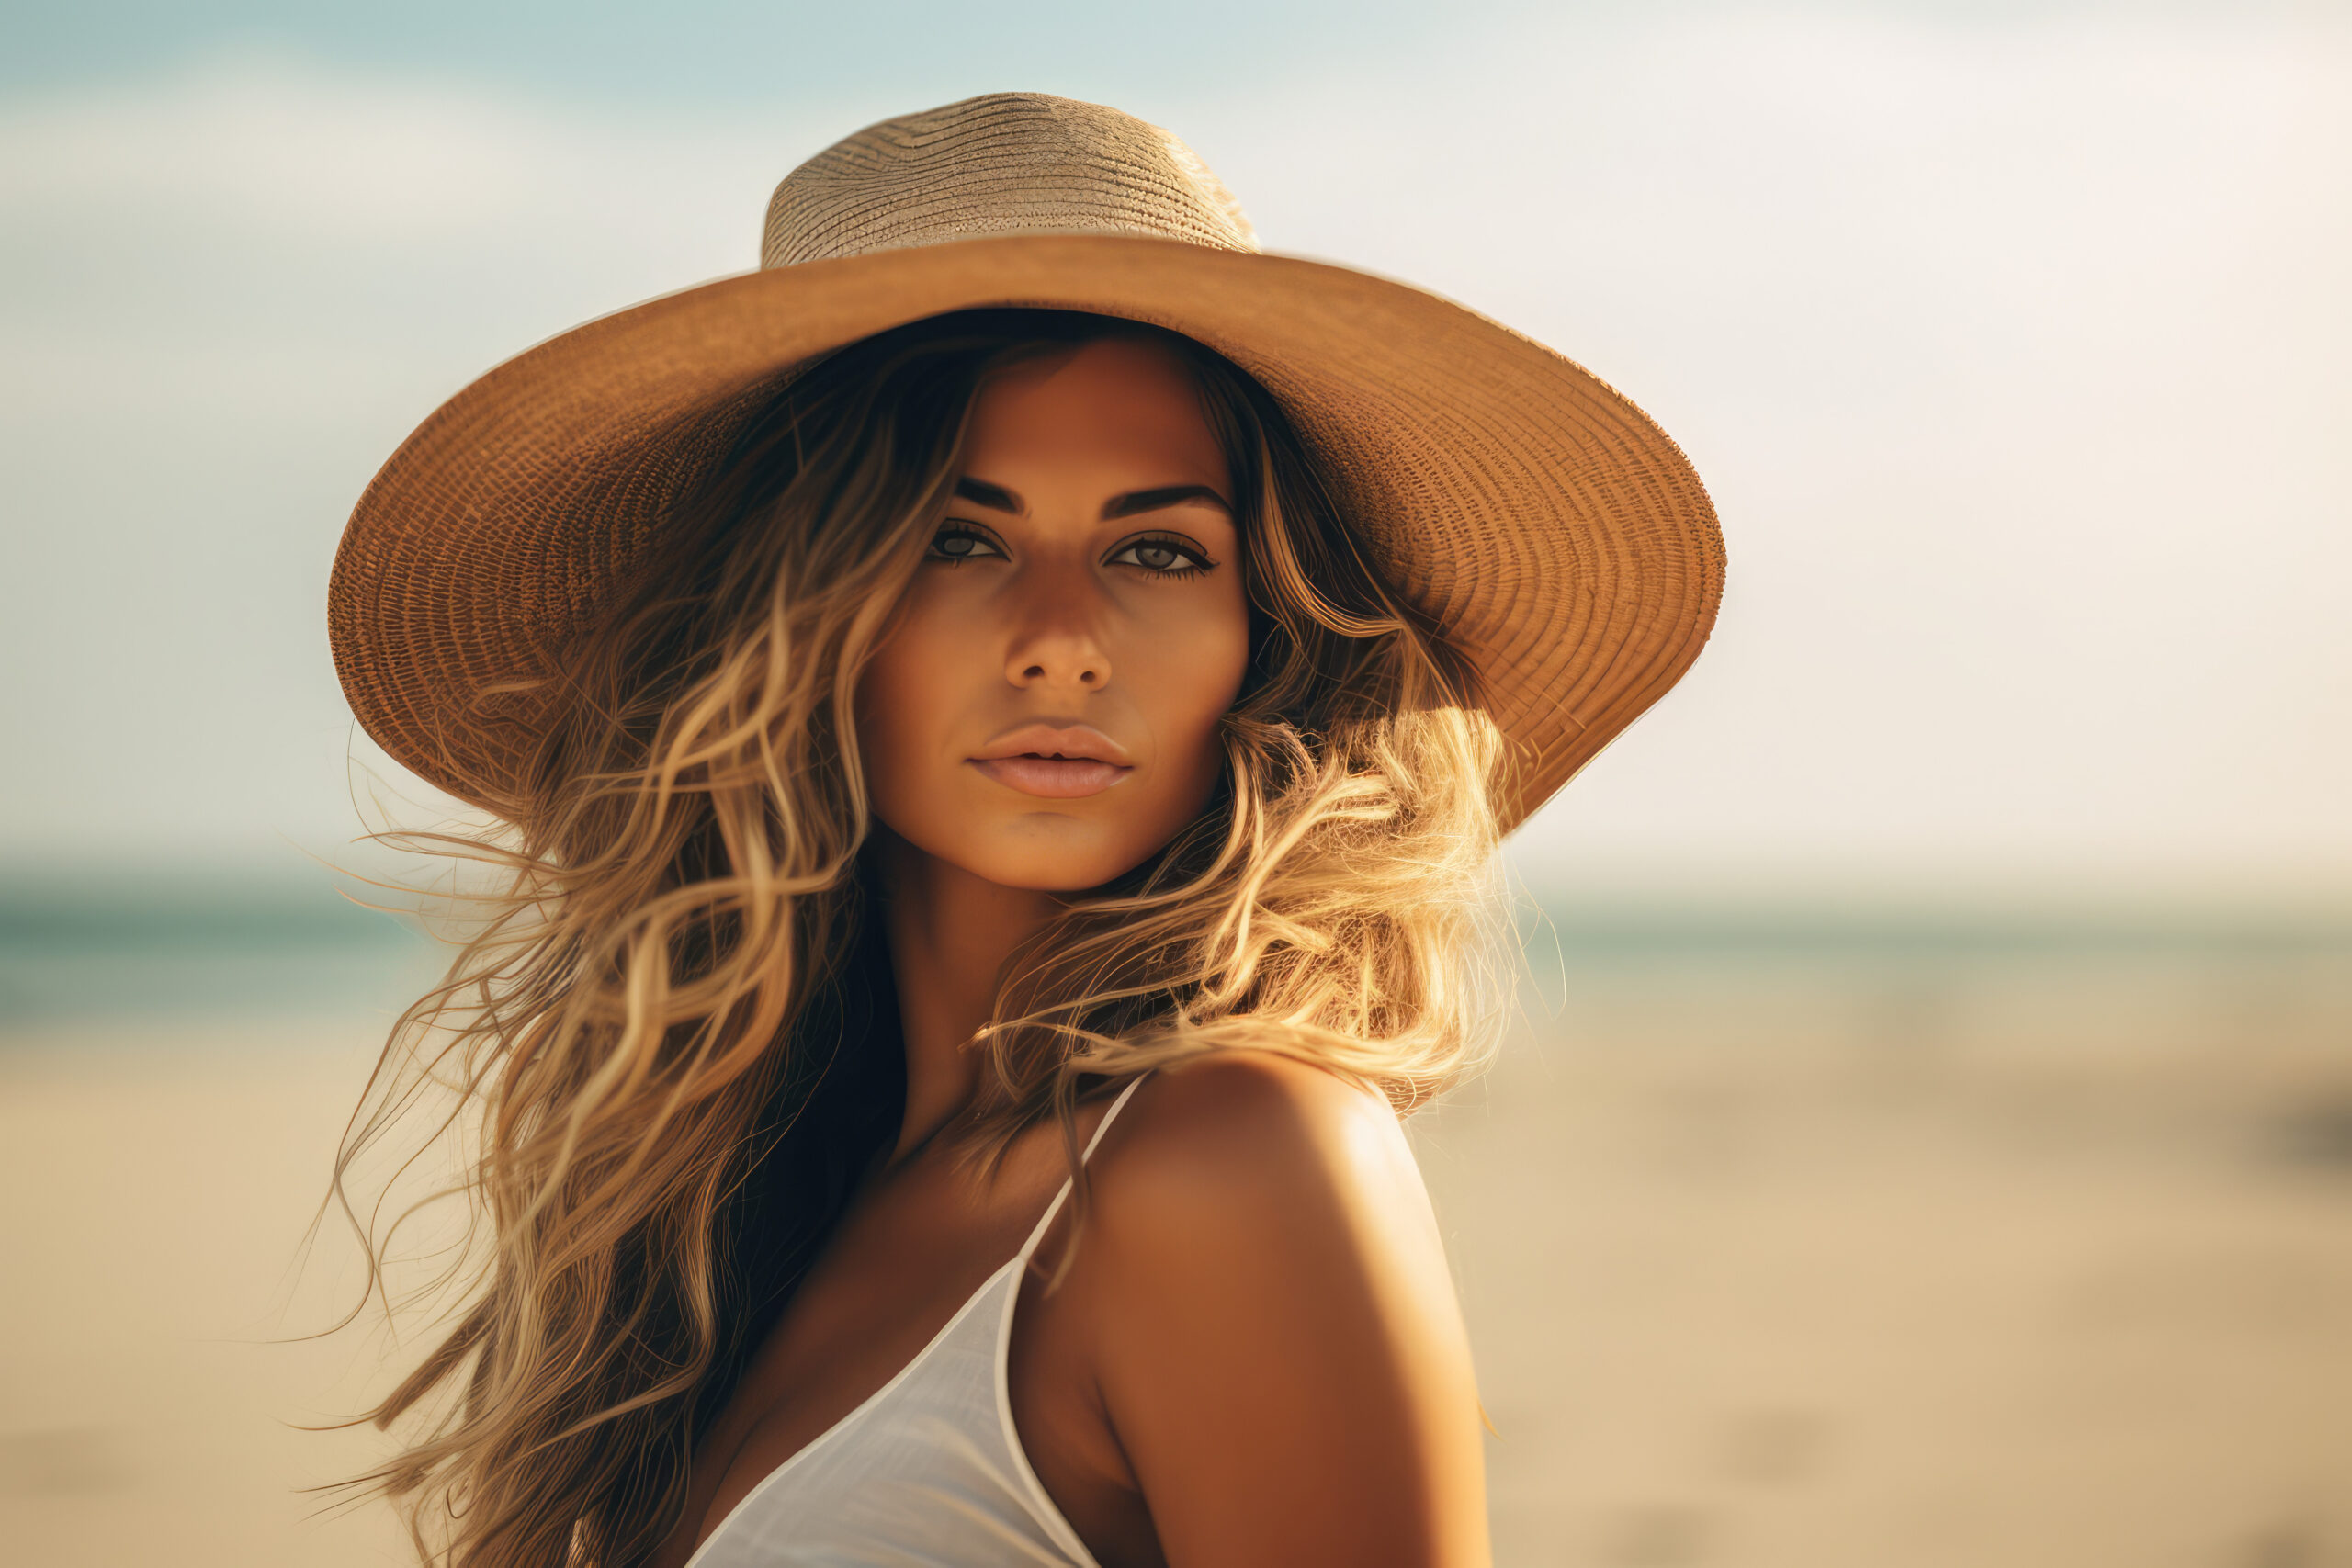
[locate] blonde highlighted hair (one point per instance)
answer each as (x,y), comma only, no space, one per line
(673,1037)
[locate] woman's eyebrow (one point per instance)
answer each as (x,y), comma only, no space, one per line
(1137,501)
(996,498)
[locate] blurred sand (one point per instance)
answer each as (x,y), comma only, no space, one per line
(2054,1273)
(158,1184)
(1933,1289)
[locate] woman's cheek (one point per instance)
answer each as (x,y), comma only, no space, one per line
(1200,669)
(1215,656)
(901,703)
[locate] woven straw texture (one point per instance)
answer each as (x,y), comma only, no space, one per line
(1556,531)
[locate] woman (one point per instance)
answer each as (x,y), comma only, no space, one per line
(999,723)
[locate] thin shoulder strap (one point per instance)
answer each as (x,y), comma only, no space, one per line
(1039,1234)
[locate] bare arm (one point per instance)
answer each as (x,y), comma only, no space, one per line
(1275,1330)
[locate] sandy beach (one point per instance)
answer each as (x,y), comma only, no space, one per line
(2044,1273)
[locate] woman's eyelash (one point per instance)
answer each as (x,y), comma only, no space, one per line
(971,543)
(1176,557)
(1161,556)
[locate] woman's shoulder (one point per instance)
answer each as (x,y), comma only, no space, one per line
(1270,1324)
(1247,1124)
(1280,1171)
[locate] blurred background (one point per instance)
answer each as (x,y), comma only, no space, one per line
(1927,1133)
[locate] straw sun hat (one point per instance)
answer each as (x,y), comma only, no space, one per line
(1559,536)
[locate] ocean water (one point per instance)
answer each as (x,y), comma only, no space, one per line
(1910,975)
(109,948)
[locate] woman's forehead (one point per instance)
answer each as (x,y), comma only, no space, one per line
(1113,406)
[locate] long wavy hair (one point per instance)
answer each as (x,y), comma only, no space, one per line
(669,1047)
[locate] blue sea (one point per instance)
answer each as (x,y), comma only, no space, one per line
(110,947)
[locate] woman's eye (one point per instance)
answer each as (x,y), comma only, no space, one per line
(962,544)
(1162,555)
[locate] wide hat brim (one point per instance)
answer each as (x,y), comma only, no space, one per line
(1558,536)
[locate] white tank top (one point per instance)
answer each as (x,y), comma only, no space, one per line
(929,1470)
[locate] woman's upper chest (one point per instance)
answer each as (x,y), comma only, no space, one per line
(898,1268)
(912,1252)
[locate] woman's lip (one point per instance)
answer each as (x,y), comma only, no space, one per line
(1072,740)
(1054,778)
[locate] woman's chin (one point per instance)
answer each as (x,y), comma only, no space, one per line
(1056,856)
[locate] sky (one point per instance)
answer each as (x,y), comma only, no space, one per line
(2011,340)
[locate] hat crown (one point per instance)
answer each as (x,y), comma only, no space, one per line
(999,164)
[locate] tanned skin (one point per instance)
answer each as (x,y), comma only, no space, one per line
(1256,1360)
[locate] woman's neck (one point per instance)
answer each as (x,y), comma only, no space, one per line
(950,933)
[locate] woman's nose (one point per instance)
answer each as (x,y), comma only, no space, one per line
(1055,644)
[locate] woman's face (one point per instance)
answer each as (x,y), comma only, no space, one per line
(1044,713)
